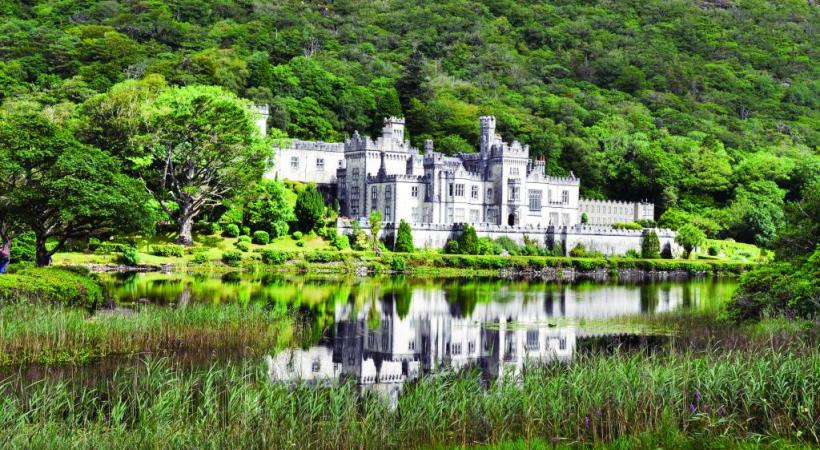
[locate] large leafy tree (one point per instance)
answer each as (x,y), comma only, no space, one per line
(61,189)
(202,146)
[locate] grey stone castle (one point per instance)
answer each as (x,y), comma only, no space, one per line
(499,190)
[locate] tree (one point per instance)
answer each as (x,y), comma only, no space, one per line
(309,209)
(375,221)
(468,241)
(584,218)
(62,189)
(267,206)
(650,245)
(204,147)
(690,237)
(404,239)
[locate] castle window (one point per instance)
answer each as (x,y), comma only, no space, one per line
(354,175)
(562,343)
(451,189)
(471,347)
(474,216)
(459,215)
(414,191)
(532,340)
(491,215)
(474,192)
(457,349)
(412,345)
(535,200)
(564,197)
(565,219)
(459,190)
(374,197)
(489,194)
(513,194)
(415,214)
(449,215)
(514,171)
(294,162)
(320,164)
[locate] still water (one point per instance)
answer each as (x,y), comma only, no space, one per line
(383,332)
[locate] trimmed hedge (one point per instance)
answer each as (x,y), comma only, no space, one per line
(69,287)
(167,250)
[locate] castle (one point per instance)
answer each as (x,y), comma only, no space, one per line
(499,190)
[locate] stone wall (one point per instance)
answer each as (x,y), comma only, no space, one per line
(604,239)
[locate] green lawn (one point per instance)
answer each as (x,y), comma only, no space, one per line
(211,245)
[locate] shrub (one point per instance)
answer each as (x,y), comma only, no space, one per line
(110,247)
(362,241)
(232,257)
(216,228)
(167,250)
(243,246)
(486,246)
(231,230)
(395,262)
(579,251)
(468,241)
(279,229)
(246,231)
(22,247)
(261,237)
(300,243)
(508,245)
(632,253)
(584,218)
(690,237)
(52,285)
(714,250)
(244,239)
(309,209)
(297,235)
(627,226)
(451,247)
(404,239)
(341,242)
(274,257)
(650,245)
(322,257)
(129,257)
(201,258)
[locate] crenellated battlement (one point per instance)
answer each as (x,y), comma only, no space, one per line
(320,146)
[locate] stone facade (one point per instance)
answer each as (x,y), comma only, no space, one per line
(499,189)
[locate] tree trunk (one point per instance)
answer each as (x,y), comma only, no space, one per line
(41,256)
(185,225)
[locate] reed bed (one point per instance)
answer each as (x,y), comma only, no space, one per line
(767,394)
(51,334)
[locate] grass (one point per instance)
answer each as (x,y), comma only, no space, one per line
(47,334)
(763,393)
(733,251)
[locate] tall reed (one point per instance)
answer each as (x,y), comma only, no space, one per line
(771,393)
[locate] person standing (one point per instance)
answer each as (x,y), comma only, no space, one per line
(5,255)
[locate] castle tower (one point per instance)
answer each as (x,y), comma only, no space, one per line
(262,120)
(487,128)
(393,133)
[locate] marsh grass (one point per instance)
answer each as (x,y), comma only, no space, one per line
(766,394)
(49,334)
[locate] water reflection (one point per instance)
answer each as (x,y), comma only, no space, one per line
(398,333)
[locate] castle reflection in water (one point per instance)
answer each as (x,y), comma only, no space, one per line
(397,336)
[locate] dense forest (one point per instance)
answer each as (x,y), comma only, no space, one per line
(709,108)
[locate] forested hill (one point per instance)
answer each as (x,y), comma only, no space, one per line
(709,108)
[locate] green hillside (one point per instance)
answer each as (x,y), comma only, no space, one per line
(708,108)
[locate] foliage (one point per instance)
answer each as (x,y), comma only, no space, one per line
(340,242)
(789,288)
(269,207)
(129,256)
(296,235)
(690,237)
(261,237)
(468,241)
(274,257)
(22,247)
(375,222)
(309,209)
(579,251)
(61,189)
(231,230)
(49,285)
(168,250)
(200,146)
(650,245)
(232,257)
(584,218)
(627,226)
(243,246)
(404,238)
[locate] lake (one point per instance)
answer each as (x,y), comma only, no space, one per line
(381,332)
